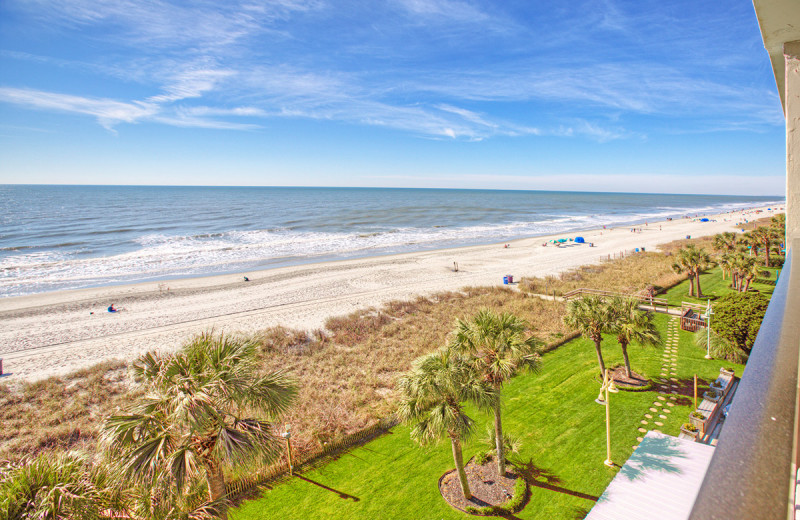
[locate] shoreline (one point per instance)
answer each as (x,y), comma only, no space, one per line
(58,332)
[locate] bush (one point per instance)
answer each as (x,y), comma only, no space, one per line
(689,427)
(737,318)
(698,415)
(514,504)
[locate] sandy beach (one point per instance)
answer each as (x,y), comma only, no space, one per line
(56,333)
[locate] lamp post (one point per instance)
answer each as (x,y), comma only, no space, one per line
(288,436)
(709,312)
(608,386)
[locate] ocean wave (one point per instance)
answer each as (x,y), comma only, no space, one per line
(71,264)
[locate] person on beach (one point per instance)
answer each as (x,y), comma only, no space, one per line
(111,308)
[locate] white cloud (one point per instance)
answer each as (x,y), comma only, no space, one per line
(107,111)
(446,9)
(220,55)
(191,83)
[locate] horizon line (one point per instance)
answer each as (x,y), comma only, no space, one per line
(779,197)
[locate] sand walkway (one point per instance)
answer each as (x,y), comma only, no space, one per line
(55,333)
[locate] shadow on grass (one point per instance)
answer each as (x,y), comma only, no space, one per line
(544,479)
(581,513)
(654,454)
(341,494)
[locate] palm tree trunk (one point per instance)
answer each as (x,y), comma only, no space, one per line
(599,355)
(498,435)
(699,292)
(216,487)
(624,346)
(459,460)
(766,253)
(691,284)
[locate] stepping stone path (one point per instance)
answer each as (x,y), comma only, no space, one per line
(666,383)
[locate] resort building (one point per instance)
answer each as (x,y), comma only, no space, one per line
(753,471)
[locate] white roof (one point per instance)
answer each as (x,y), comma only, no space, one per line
(659,481)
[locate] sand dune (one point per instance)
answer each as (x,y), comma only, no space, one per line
(55,333)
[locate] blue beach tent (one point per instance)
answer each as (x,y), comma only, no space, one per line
(579,240)
(703,220)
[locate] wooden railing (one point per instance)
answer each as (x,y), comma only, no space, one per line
(701,308)
(583,291)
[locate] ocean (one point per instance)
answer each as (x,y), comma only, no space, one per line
(69,237)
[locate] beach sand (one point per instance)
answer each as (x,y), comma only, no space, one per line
(56,333)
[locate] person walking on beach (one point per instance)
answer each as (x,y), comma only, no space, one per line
(111,308)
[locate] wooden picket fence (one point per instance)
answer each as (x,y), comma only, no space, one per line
(280,469)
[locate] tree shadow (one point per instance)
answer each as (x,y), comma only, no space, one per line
(544,479)
(341,494)
(654,454)
(581,513)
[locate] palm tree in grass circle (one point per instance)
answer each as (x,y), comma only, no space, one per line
(499,346)
(205,408)
(631,325)
(590,315)
(431,397)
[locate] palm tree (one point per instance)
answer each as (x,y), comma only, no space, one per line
(191,422)
(725,242)
(751,270)
(725,262)
(499,346)
(58,485)
(739,264)
(591,317)
(749,243)
(778,226)
(763,235)
(631,325)
(692,261)
(431,397)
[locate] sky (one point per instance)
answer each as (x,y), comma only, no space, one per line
(595,95)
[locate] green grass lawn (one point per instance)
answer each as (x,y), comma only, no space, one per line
(554,414)
(714,287)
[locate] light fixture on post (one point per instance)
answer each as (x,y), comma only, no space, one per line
(288,436)
(602,398)
(709,312)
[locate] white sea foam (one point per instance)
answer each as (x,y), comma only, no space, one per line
(162,255)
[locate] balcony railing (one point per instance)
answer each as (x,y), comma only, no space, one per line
(753,471)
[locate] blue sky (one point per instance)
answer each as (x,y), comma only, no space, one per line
(642,96)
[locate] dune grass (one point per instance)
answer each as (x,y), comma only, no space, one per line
(629,274)
(60,412)
(347,373)
(554,414)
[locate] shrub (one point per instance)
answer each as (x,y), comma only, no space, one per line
(689,427)
(482,458)
(697,415)
(514,504)
(737,318)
